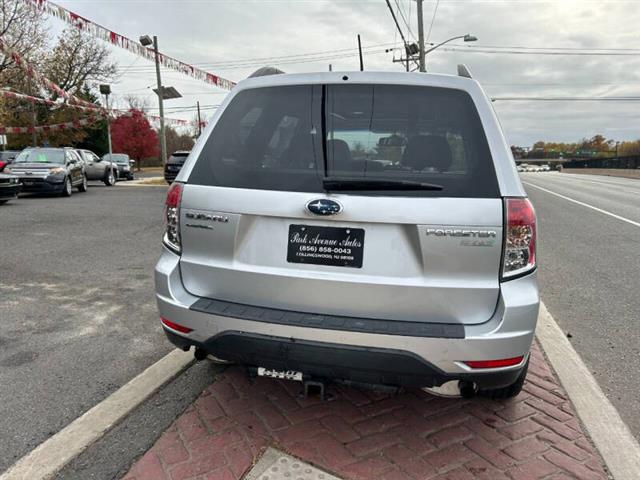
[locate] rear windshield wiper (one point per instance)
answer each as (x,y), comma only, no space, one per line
(338,183)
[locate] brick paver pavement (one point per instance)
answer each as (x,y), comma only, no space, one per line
(365,435)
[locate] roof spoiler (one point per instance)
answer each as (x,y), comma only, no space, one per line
(264,71)
(463,71)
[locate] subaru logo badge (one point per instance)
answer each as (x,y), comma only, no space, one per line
(324,207)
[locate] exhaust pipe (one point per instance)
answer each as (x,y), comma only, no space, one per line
(467,389)
(199,354)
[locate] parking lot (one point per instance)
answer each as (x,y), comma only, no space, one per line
(76,303)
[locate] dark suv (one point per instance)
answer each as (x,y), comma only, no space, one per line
(49,170)
(174,164)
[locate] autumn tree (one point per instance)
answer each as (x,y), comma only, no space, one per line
(132,134)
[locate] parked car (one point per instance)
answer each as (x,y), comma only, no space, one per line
(6,157)
(97,169)
(49,170)
(10,187)
(174,164)
(545,168)
(124,164)
(286,252)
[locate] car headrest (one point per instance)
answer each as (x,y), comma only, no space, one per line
(427,151)
(339,155)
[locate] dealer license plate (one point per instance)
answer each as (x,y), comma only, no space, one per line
(340,247)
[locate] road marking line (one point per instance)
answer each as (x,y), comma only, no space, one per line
(611,436)
(637,224)
(48,458)
(571,180)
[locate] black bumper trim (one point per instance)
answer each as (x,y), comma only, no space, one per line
(328,322)
(371,365)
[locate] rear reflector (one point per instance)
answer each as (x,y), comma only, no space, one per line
(175,326)
(506,362)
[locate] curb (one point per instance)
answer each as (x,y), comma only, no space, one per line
(46,460)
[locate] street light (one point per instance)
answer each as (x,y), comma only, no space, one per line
(163,93)
(423,53)
(106,91)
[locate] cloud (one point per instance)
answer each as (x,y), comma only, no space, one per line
(219,34)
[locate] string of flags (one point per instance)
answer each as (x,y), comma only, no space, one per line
(71,100)
(50,128)
(98,31)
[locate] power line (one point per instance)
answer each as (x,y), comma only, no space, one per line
(395,20)
(433,19)
(311,56)
(565,99)
(404,19)
(469,49)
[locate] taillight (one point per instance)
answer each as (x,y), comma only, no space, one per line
(172,218)
(519,238)
(2,165)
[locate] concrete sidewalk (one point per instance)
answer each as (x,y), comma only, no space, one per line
(363,435)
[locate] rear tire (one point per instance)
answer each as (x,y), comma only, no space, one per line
(509,391)
(67,190)
(84,185)
(110,178)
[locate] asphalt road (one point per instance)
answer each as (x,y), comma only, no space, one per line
(77,312)
(590,276)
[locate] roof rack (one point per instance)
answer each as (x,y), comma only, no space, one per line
(463,71)
(264,71)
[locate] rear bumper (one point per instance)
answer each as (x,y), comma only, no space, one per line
(365,355)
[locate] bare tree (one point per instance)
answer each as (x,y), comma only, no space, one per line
(23,29)
(137,103)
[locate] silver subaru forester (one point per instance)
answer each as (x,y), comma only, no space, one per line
(368,227)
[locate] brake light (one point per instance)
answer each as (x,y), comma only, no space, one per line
(505,362)
(175,326)
(2,164)
(519,238)
(172,218)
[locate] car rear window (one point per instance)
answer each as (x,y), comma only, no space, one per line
(291,137)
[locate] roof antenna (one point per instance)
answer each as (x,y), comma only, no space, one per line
(360,51)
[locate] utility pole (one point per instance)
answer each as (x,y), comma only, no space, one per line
(199,120)
(360,52)
(34,137)
(163,138)
(106,91)
(421,36)
(330,68)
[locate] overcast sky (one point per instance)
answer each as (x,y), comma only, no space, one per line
(217,34)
